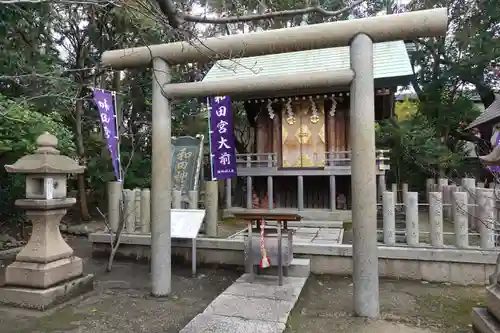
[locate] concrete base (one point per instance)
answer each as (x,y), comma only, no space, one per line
(484,322)
(43,299)
(36,275)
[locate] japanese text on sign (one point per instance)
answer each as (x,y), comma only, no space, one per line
(182,162)
(105,103)
(222,153)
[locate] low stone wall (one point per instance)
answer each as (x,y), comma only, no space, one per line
(456,266)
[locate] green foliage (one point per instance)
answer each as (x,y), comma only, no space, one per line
(405,110)
(19,128)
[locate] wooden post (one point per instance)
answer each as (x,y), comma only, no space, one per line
(145,211)
(461,220)
(333,193)
(129,205)
(270,194)
(411,212)
(389,218)
(249,185)
(486,216)
(436,218)
(300,192)
(249,192)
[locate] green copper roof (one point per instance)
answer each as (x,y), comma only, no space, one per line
(391,62)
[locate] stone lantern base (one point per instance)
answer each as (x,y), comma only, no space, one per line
(43,299)
(45,272)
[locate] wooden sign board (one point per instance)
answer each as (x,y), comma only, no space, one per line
(186,223)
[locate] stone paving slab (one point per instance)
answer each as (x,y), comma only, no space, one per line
(211,323)
(260,306)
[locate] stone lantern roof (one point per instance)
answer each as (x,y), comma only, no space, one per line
(45,160)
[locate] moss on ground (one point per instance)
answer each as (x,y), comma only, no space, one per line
(406,306)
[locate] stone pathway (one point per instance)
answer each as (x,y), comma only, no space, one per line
(308,235)
(261,306)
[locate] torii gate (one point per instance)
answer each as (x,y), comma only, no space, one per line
(359,34)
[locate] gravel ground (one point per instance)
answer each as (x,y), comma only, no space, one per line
(406,307)
(121,301)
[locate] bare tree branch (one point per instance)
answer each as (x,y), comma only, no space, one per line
(176,18)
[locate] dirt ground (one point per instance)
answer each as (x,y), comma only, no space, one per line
(406,307)
(121,301)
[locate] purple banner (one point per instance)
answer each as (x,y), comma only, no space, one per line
(222,153)
(105,103)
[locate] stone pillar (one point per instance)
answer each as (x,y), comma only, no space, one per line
(228,193)
(193,199)
(176,199)
(446,204)
(129,210)
(45,271)
(404,190)
(363,179)
(469,185)
(114,196)
(442,182)
(333,193)
(411,212)
(300,192)
(394,189)
(436,218)
(461,227)
(486,217)
(428,187)
(161,181)
(453,189)
(137,208)
(145,211)
(389,218)
(211,208)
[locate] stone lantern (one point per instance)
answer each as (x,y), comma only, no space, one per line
(45,272)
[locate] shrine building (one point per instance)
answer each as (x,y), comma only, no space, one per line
(298,152)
